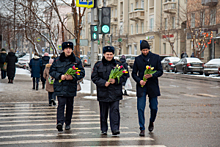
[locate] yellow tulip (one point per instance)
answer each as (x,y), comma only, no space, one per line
(152,68)
(78,74)
(147,67)
(78,70)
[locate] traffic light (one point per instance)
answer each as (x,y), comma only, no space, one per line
(106,20)
(94,32)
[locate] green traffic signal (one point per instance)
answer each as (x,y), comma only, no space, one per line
(95,28)
(94,36)
(105,29)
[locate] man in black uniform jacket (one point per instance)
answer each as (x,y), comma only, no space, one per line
(65,90)
(108,93)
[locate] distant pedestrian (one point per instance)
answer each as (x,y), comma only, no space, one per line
(184,55)
(192,55)
(108,93)
(45,60)
(11,59)
(3,55)
(49,84)
(66,89)
(35,65)
(150,87)
(125,65)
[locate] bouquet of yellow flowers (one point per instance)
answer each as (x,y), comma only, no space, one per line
(148,70)
(117,72)
(72,71)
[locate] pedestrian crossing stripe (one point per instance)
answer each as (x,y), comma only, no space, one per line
(76,140)
(49,116)
(30,110)
(31,107)
(74,112)
(51,129)
(46,124)
(42,120)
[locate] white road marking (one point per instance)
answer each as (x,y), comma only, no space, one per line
(47,120)
(76,112)
(52,129)
(53,135)
(49,116)
(32,107)
(39,110)
(130,146)
(46,124)
(77,140)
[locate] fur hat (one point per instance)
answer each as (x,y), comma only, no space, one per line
(67,44)
(108,49)
(144,44)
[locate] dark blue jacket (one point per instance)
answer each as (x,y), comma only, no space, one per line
(66,88)
(100,76)
(139,67)
(45,60)
(35,65)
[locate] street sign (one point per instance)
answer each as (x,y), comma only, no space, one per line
(59,47)
(85,3)
(38,39)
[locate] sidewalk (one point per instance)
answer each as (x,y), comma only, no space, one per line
(21,90)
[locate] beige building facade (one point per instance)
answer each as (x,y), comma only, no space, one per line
(135,20)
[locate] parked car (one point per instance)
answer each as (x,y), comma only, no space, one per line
(212,67)
(131,61)
(168,63)
(189,65)
(84,60)
(163,56)
(23,62)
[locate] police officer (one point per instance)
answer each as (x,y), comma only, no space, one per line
(65,90)
(108,93)
(151,86)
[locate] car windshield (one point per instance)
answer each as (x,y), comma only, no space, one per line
(174,59)
(190,60)
(214,61)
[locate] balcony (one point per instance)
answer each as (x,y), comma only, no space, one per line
(114,20)
(112,3)
(138,14)
(170,7)
(209,2)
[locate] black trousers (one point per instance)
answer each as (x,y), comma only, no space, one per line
(62,101)
(113,114)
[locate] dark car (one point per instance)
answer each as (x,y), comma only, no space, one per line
(212,67)
(168,63)
(189,65)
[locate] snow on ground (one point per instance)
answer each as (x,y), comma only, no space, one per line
(21,71)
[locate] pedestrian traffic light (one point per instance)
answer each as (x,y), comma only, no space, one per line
(106,20)
(94,32)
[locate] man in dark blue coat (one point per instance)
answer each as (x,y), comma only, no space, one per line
(150,87)
(35,65)
(108,93)
(45,60)
(66,89)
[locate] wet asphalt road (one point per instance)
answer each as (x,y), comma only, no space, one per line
(188,116)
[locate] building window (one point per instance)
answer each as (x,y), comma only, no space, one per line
(136,28)
(165,23)
(142,27)
(151,24)
(135,49)
(202,18)
(116,12)
(193,20)
(136,4)
(132,9)
(131,29)
(164,48)
(89,17)
(112,12)
(213,17)
(173,22)
(142,4)
(129,51)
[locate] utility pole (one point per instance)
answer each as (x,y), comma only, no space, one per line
(103,35)
(94,46)
(14,24)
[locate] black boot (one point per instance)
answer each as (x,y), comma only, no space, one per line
(125,93)
(33,86)
(43,85)
(11,81)
(37,86)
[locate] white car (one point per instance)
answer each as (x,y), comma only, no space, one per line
(23,62)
